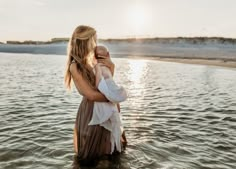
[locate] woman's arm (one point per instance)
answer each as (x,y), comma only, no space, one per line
(98,74)
(84,88)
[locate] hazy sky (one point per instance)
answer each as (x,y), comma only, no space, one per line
(45,19)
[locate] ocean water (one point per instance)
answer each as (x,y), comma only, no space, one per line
(177,116)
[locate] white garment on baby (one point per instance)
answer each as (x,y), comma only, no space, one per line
(106,114)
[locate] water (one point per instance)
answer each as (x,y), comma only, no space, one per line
(177,115)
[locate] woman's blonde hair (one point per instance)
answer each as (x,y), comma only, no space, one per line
(81,44)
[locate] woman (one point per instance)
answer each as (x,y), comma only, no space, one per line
(90,142)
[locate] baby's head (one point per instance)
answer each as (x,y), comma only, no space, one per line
(101,51)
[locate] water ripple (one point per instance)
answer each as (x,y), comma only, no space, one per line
(177,116)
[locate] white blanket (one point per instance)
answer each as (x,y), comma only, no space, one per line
(106,114)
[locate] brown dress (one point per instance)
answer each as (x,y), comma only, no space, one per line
(92,141)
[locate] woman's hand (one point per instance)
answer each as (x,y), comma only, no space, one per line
(106,61)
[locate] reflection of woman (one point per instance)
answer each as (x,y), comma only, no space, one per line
(90,142)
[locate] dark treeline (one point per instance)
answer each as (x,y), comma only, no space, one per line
(191,40)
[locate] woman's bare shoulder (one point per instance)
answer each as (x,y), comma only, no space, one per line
(77,77)
(74,69)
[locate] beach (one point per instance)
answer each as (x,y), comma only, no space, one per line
(222,63)
(175,59)
(212,62)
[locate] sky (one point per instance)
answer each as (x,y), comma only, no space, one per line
(46,19)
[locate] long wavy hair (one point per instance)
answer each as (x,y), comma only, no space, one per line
(80,48)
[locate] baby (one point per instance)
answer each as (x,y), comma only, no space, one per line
(106,114)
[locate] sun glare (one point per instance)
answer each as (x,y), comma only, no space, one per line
(138,18)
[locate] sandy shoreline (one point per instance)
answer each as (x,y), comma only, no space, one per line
(213,62)
(222,63)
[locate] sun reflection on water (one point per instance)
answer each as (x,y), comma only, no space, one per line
(136,75)
(137,70)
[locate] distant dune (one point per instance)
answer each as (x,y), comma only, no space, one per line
(210,48)
(191,40)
